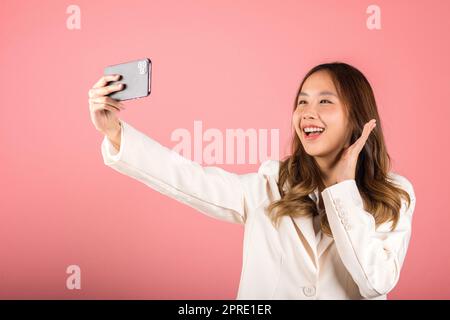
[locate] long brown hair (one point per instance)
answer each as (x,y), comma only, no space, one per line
(299,173)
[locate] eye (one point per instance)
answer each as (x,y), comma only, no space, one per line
(304,101)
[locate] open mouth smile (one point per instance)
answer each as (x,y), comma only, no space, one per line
(312,133)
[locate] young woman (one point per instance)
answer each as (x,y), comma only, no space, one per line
(330,221)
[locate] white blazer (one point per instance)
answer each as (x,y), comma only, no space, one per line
(361,262)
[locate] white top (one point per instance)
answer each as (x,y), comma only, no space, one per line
(293,261)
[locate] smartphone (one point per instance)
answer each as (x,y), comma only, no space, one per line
(136,76)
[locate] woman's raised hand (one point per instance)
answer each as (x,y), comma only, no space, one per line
(346,166)
(103,109)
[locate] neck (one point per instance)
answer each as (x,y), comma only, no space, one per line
(327,165)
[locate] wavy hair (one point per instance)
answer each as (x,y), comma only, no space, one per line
(299,174)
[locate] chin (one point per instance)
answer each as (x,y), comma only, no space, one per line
(315,153)
(318,150)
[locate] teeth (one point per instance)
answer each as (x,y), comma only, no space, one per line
(313,129)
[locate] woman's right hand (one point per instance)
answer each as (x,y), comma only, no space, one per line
(103,109)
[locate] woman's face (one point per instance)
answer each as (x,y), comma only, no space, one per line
(319,105)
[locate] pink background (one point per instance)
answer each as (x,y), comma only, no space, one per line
(230,64)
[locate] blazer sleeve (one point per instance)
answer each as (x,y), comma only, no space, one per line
(209,189)
(373,256)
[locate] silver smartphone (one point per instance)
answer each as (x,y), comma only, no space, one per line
(136,76)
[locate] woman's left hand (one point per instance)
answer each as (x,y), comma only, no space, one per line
(346,167)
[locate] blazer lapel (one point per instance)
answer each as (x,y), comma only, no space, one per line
(324,244)
(296,240)
(290,227)
(305,225)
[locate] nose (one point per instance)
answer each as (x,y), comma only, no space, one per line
(309,112)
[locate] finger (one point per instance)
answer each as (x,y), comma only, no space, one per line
(103,91)
(94,105)
(103,81)
(102,106)
(108,100)
(359,144)
(368,127)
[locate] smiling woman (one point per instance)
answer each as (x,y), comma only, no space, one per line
(334,103)
(328,222)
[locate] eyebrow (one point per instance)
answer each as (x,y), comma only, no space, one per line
(323,93)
